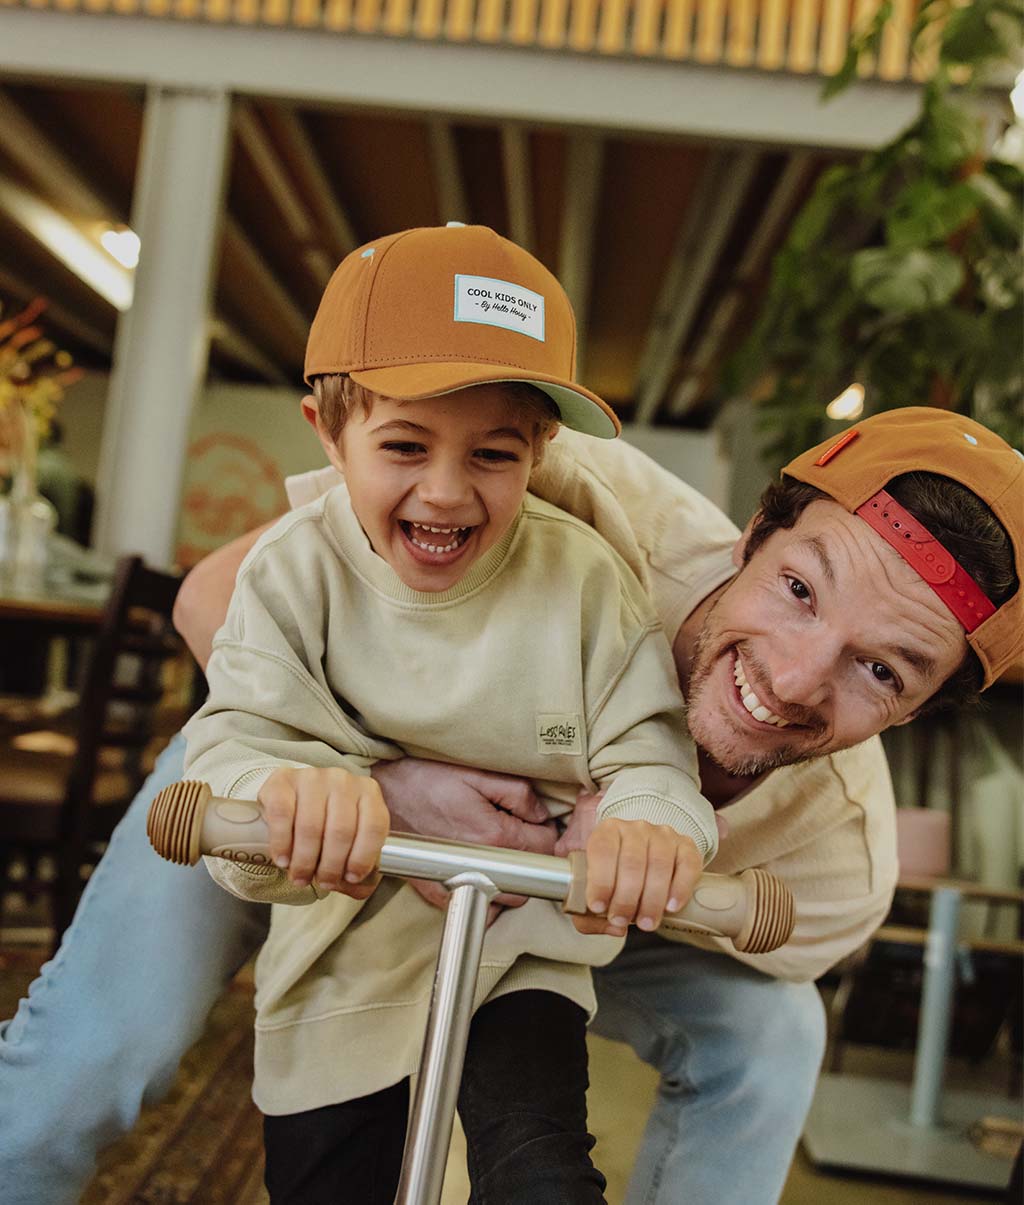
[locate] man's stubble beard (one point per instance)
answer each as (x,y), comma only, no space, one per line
(716,745)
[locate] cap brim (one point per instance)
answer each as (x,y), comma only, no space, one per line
(579,408)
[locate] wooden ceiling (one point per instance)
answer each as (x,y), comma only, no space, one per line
(663,245)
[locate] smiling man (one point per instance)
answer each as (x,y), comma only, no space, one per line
(880,579)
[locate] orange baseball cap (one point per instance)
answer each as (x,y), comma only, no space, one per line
(855,468)
(439,308)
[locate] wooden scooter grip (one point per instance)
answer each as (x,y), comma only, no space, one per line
(755,909)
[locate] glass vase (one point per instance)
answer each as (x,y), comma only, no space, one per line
(27,520)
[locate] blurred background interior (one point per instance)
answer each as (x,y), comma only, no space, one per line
(753,264)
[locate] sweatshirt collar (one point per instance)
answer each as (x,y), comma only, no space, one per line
(342,521)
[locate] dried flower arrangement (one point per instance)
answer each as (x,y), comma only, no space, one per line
(34,376)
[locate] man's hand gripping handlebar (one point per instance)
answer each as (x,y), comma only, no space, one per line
(755,909)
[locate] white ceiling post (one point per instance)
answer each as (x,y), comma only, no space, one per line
(160,352)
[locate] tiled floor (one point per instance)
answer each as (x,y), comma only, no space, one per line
(621,1095)
(622,1090)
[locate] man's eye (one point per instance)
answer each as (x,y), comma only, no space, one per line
(881,673)
(798,589)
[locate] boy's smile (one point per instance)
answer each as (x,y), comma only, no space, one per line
(428,543)
(436,483)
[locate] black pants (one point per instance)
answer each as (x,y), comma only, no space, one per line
(523,1108)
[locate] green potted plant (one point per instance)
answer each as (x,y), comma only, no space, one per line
(903,272)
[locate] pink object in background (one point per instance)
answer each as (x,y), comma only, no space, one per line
(923,845)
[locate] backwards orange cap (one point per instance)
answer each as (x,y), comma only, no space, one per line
(855,468)
(440,308)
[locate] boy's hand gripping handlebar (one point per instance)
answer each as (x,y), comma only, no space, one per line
(755,909)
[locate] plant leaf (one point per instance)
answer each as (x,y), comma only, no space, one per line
(927,212)
(906,281)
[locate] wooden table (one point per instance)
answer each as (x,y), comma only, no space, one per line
(40,613)
(67,597)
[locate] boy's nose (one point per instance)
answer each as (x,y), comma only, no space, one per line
(445,487)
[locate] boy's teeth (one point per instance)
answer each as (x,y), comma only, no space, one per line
(750,700)
(428,547)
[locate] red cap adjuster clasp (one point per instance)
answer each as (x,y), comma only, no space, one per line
(935,563)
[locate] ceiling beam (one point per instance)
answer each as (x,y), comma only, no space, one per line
(706,226)
(67,244)
(515,154)
(286,197)
(49,169)
(444,155)
(287,127)
(231,343)
(90,264)
(84,332)
(52,172)
(579,218)
(638,94)
(236,245)
(791,182)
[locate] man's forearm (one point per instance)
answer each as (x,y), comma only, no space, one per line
(203,599)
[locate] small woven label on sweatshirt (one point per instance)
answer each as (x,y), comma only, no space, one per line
(499,303)
(559,734)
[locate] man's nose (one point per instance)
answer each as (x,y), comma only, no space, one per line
(801,671)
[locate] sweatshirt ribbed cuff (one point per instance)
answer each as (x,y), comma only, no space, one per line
(656,809)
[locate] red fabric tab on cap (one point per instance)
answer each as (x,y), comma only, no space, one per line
(923,552)
(837,447)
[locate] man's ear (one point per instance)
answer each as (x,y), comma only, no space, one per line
(311,413)
(740,546)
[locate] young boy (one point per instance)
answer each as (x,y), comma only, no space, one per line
(441,362)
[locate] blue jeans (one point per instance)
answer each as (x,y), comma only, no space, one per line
(152,946)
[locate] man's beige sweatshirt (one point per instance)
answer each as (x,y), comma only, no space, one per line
(544,661)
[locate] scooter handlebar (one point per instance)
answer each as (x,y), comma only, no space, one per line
(755,909)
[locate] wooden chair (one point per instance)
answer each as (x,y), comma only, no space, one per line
(61,807)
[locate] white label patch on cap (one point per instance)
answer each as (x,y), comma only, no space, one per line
(499,303)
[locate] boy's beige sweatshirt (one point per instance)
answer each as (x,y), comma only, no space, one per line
(545,661)
(827,827)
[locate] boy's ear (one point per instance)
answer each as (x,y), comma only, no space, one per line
(311,413)
(740,546)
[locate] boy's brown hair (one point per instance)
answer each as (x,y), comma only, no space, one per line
(337,395)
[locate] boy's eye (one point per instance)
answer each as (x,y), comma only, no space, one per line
(403,448)
(496,455)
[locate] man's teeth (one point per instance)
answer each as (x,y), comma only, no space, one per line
(458,533)
(751,702)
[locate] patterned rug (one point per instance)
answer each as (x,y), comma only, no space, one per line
(203,1144)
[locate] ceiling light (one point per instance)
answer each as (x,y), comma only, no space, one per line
(64,240)
(849,404)
(123,245)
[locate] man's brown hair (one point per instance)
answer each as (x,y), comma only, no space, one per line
(954,515)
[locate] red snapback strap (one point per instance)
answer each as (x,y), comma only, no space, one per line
(923,552)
